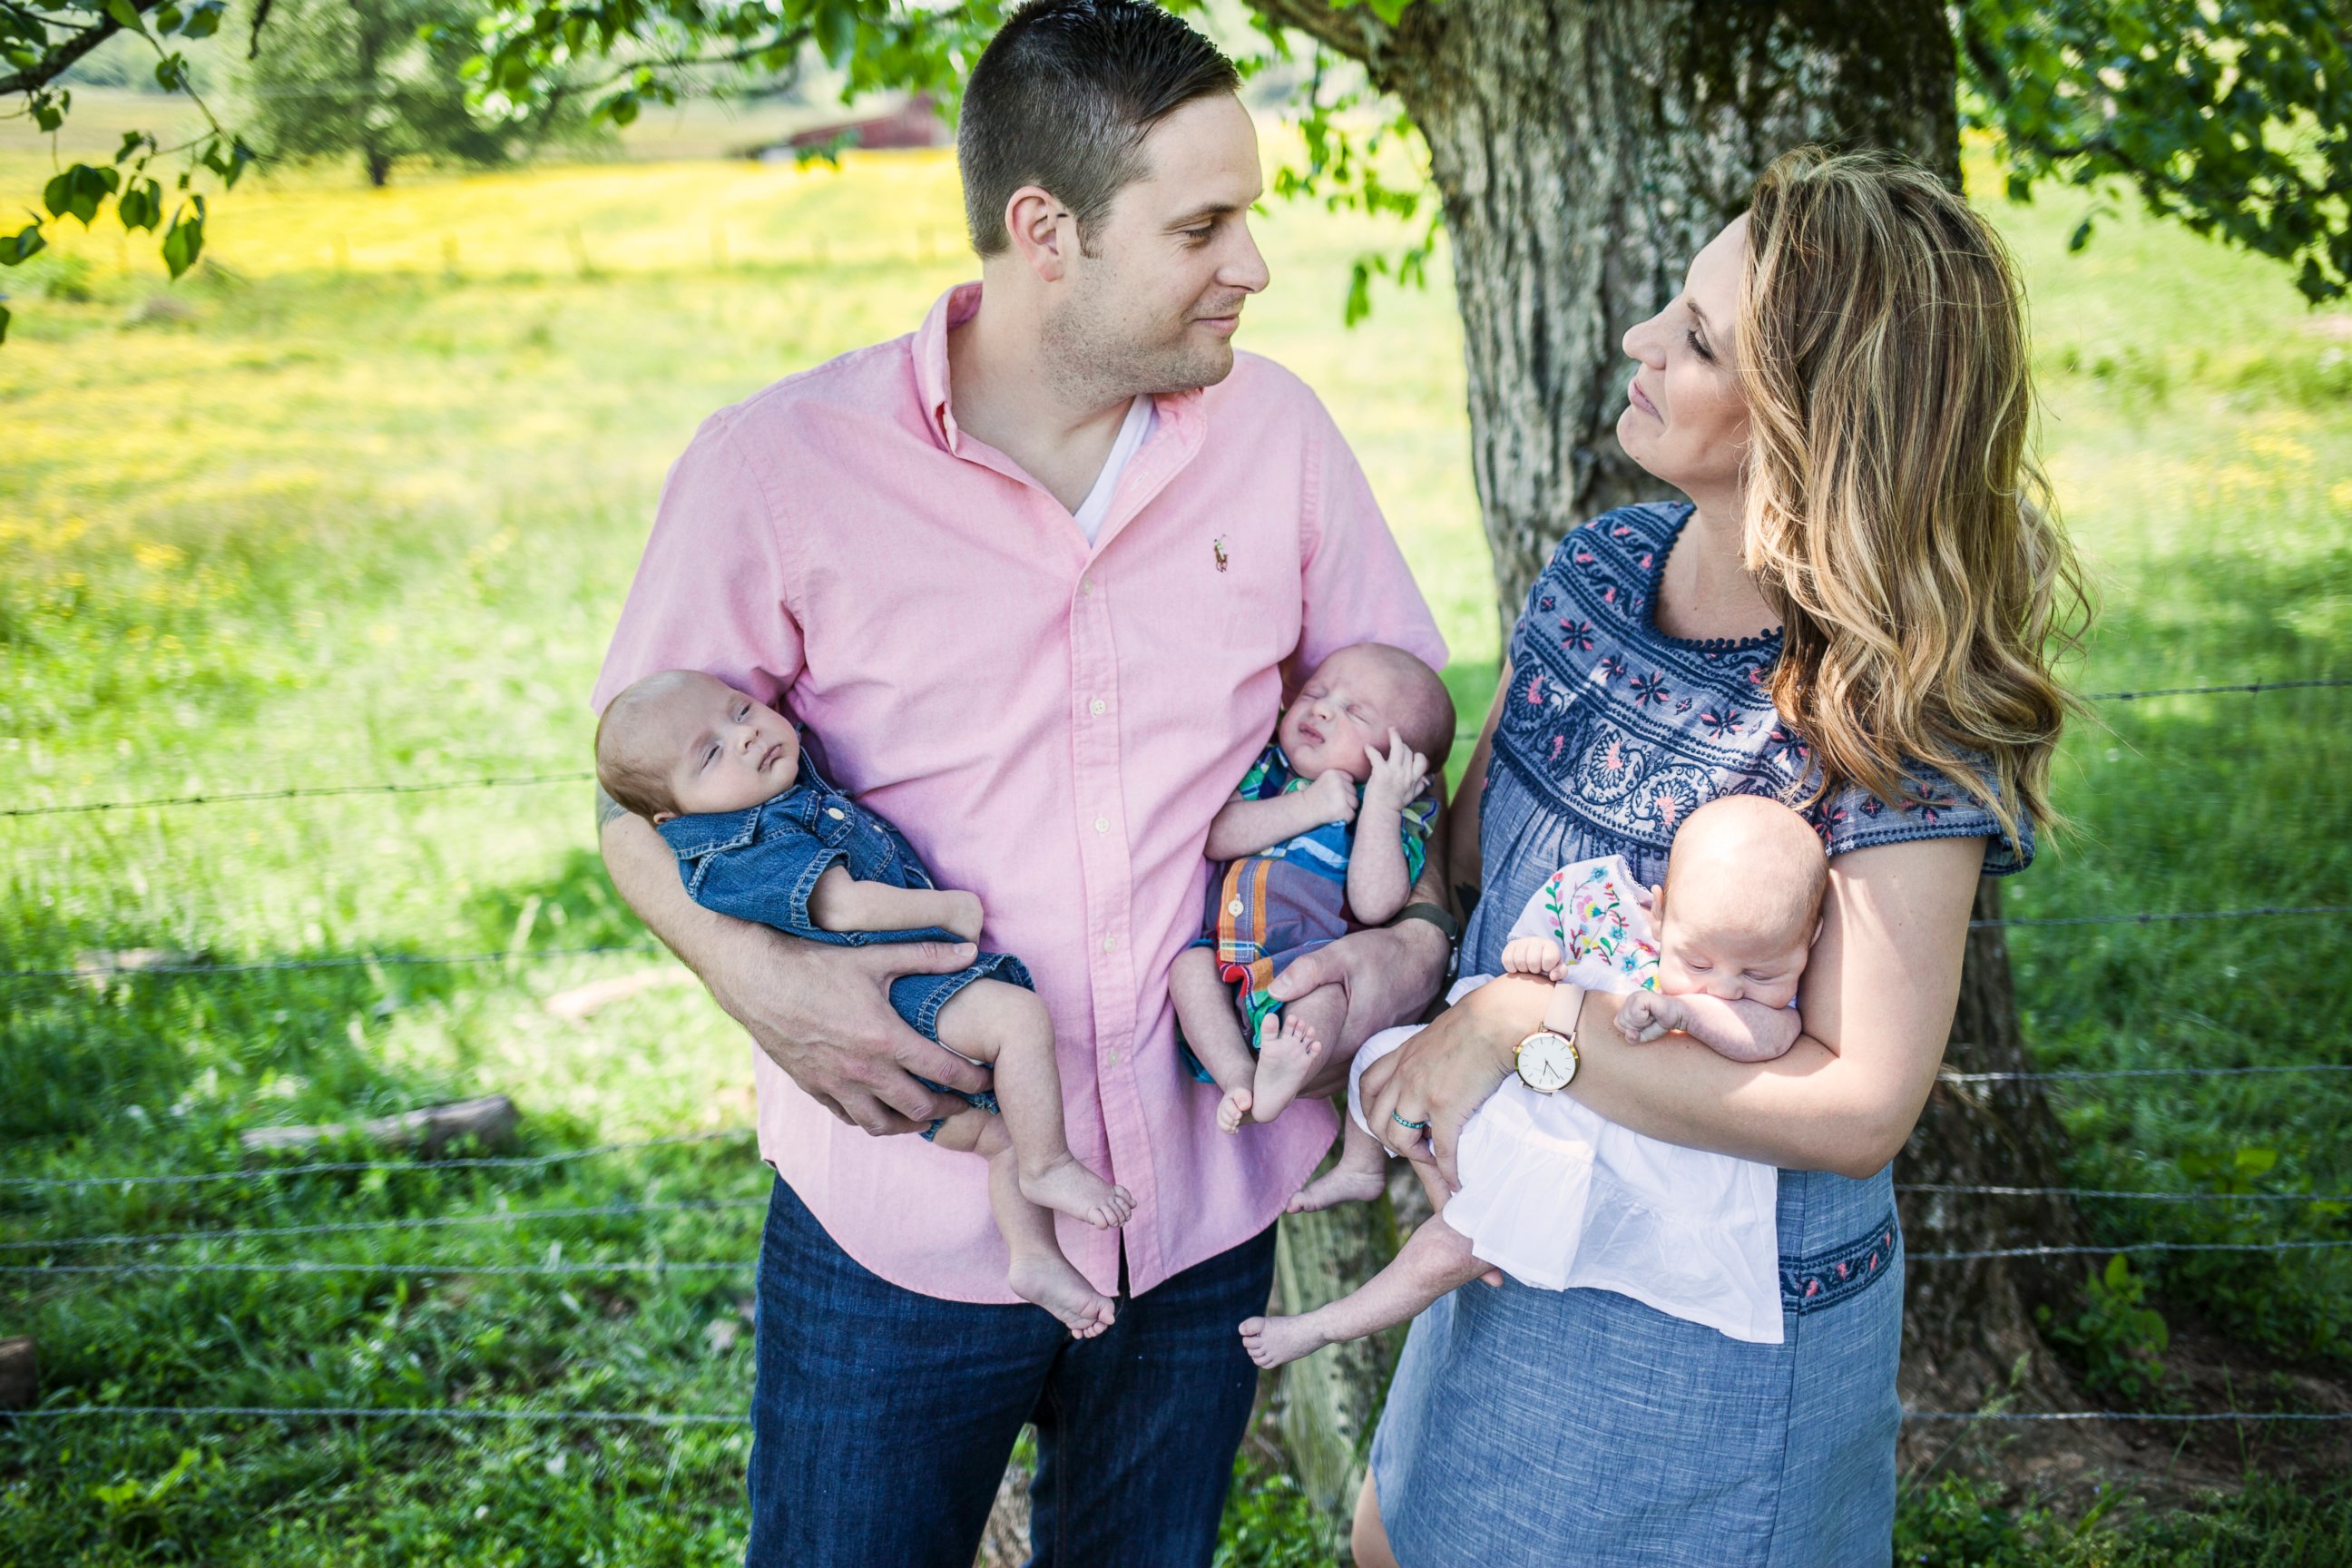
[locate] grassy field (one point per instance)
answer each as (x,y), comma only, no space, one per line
(357,503)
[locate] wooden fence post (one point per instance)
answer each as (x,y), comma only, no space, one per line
(1329,1398)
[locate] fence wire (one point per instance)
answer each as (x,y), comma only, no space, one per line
(103,973)
(2143,1196)
(417,1222)
(301,792)
(706,1418)
(341,1167)
(2083,1075)
(509,781)
(452,1266)
(2127,1246)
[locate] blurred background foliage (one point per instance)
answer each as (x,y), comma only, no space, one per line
(357,500)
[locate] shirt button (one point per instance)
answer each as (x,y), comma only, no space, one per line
(1097,707)
(834,812)
(1109,943)
(1102,824)
(1086,586)
(1235,908)
(1114,1059)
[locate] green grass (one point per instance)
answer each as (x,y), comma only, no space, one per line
(345,512)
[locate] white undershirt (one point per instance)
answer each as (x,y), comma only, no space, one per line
(1133,432)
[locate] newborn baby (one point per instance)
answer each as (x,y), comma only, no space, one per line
(1327,831)
(1555,1195)
(760,835)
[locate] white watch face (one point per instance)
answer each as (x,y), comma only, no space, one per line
(1547,1062)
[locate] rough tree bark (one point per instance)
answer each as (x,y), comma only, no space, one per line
(1584,150)
(1967,1330)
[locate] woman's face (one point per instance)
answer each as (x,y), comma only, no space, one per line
(1685,420)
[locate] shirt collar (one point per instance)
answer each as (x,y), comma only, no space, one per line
(949,310)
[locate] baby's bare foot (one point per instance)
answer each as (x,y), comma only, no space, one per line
(1048,1279)
(1232,1110)
(1271,1341)
(964,915)
(1287,1054)
(1067,1187)
(1337,1186)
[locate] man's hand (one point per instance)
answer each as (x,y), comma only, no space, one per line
(1399,775)
(823,1014)
(1333,797)
(1389,974)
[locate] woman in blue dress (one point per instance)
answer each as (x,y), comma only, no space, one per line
(1855,614)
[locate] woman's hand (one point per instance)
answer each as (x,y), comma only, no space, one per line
(1445,1073)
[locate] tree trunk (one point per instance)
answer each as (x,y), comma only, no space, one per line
(1329,1397)
(1585,151)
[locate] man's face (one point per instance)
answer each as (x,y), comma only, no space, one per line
(1155,305)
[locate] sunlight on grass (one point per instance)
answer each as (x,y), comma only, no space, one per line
(358,502)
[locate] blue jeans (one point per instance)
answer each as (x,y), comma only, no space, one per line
(882,1418)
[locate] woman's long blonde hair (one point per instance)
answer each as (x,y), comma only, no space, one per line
(1893,513)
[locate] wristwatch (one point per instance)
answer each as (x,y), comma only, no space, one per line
(1546,1059)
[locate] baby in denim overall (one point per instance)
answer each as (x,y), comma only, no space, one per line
(759,835)
(1326,833)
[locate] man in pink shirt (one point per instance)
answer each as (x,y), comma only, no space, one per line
(1033,578)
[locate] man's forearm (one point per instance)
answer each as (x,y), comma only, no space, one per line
(644,873)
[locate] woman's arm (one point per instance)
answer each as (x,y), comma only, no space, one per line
(1879,1000)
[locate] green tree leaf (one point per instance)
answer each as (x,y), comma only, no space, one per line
(24,245)
(185,240)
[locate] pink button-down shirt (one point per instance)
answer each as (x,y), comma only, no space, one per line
(1051,725)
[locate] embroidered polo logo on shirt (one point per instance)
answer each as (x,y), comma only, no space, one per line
(1218,545)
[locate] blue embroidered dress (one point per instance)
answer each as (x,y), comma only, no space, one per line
(1535,1426)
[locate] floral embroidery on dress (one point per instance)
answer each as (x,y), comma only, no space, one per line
(1590,920)
(1628,731)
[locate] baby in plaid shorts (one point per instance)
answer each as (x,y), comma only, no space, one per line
(1327,833)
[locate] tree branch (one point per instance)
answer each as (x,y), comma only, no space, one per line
(793,39)
(56,63)
(1356,32)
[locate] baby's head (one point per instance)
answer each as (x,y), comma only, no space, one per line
(682,743)
(1347,708)
(1741,902)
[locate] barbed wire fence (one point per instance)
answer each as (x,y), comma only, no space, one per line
(106,971)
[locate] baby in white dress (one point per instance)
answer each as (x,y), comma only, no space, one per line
(1557,1195)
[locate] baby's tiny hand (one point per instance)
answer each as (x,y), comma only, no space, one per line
(1645,1016)
(1531,955)
(1398,776)
(1334,797)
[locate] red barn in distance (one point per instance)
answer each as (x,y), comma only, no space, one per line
(914,123)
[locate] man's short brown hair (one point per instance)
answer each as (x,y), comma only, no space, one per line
(1062,98)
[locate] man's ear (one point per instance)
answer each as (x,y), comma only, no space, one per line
(662,816)
(1043,233)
